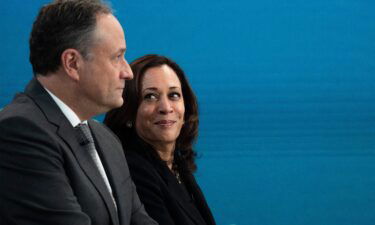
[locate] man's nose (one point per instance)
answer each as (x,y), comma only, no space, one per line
(126,71)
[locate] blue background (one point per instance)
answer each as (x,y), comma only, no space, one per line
(286,93)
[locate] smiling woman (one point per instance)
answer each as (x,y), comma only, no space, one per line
(160,115)
(158,125)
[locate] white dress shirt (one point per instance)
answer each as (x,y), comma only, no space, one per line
(74,120)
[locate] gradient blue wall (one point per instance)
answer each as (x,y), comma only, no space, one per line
(286,91)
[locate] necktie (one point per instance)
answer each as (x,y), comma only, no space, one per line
(85,139)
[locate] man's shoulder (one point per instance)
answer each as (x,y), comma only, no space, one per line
(100,127)
(102,132)
(24,113)
(21,106)
(95,124)
(22,122)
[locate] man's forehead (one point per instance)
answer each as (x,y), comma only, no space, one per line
(109,30)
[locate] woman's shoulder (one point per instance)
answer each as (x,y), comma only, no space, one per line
(139,163)
(145,174)
(137,159)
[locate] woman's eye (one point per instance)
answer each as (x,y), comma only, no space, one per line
(175,95)
(150,96)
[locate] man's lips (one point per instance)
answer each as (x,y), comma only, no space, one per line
(121,89)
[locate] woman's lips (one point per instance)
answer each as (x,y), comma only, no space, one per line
(165,123)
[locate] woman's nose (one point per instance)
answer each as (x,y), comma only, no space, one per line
(165,106)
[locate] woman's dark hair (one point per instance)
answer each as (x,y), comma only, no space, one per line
(118,120)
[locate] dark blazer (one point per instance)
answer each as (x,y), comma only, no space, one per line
(165,200)
(47,178)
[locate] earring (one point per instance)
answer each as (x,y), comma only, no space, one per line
(129,124)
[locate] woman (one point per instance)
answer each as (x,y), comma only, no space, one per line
(157,126)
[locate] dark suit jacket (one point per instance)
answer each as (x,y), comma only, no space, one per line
(165,200)
(47,178)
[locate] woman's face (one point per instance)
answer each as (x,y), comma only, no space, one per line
(160,115)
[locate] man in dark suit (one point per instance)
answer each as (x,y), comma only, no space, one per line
(57,166)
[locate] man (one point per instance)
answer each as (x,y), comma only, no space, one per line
(52,170)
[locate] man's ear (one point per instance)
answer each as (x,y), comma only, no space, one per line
(71,61)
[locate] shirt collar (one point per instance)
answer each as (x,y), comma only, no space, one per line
(66,110)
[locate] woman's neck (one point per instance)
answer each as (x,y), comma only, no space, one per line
(166,153)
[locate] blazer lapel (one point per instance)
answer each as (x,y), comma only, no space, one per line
(111,162)
(67,133)
(178,193)
(199,199)
(88,166)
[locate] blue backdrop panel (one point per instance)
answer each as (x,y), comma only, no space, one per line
(286,92)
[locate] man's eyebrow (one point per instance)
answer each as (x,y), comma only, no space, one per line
(122,50)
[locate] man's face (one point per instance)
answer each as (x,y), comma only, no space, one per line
(103,75)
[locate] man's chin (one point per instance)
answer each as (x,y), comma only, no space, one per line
(112,105)
(118,104)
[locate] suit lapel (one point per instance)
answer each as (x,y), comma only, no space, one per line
(88,166)
(198,196)
(111,162)
(179,194)
(67,134)
(185,202)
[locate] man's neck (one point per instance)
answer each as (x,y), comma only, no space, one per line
(66,92)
